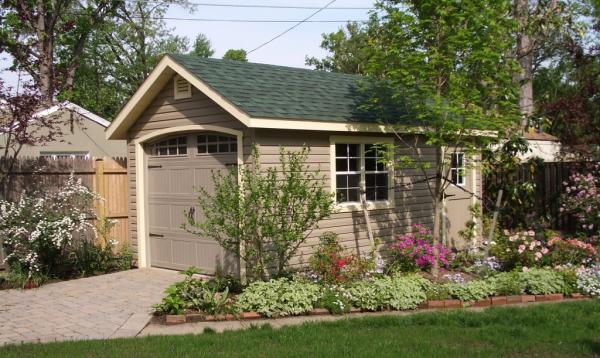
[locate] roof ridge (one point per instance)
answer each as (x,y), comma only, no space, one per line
(243,63)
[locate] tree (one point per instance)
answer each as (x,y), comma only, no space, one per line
(20,126)
(446,65)
(120,55)
(566,88)
(202,47)
(47,38)
(236,55)
(265,216)
(349,48)
(538,22)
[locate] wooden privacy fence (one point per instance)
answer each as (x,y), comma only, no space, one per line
(105,176)
(548,178)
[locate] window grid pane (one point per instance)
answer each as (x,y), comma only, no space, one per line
(347,167)
(169,147)
(211,144)
(457,168)
(349,173)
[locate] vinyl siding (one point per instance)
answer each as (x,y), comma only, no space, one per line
(412,200)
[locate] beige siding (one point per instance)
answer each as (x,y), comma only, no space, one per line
(412,199)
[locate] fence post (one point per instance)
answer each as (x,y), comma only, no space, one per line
(100,188)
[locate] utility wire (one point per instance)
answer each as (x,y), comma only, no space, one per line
(249,20)
(260,6)
(293,27)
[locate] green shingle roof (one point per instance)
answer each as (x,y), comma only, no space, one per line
(269,91)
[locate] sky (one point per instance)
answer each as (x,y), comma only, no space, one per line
(289,50)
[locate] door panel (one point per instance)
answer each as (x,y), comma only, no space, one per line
(173,184)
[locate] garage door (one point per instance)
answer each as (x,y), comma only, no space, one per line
(177,168)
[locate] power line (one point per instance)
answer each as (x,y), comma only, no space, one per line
(260,6)
(293,27)
(250,20)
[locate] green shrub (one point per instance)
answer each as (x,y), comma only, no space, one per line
(333,265)
(398,292)
(336,300)
(197,294)
(270,216)
(277,298)
(507,284)
(437,292)
(543,281)
(570,278)
(471,291)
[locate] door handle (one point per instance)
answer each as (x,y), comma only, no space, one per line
(154,166)
(191,213)
(156,235)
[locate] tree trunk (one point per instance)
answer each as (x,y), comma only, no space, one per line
(525,58)
(438,225)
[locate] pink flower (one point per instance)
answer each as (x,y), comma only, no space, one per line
(521,248)
(545,251)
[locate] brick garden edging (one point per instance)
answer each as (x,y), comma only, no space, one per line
(442,304)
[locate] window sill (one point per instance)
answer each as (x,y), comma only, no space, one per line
(371,205)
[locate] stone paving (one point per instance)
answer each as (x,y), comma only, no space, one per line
(106,306)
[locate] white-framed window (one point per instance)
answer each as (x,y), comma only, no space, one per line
(457,168)
(357,165)
(182,88)
(169,147)
(65,155)
(211,144)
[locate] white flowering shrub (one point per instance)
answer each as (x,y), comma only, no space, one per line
(39,231)
(588,281)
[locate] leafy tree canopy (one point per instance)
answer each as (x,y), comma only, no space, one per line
(237,55)
(202,47)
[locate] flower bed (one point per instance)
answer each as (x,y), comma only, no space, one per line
(537,269)
(194,299)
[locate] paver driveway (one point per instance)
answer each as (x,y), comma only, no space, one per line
(113,305)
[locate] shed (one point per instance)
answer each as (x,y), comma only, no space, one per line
(193,115)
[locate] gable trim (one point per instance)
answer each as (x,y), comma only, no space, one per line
(162,73)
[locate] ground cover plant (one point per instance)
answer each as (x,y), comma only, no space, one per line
(550,330)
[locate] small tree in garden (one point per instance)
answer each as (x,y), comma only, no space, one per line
(264,215)
(444,67)
(19,126)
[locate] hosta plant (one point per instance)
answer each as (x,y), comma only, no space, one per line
(543,281)
(280,297)
(471,291)
(398,292)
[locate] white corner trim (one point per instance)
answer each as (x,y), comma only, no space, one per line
(141,179)
(348,207)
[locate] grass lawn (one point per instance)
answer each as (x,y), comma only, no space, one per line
(570,329)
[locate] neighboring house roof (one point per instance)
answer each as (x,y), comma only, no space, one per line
(271,91)
(540,136)
(77,109)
